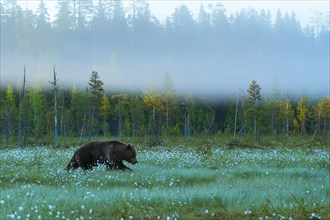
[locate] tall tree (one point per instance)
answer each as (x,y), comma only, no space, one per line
(76,110)
(25,36)
(86,107)
(24,108)
(64,21)
(168,95)
(43,28)
(118,26)
(100,17)
(323,114)
(303,113)
(242,99)
(11,22)
(255,97)
(287,113)
(82,13)
(105,111)
(2,115)
(275,93)
(137,115)
(55,90)
(122,101)
(10,110)
(152,100)
(38,104)
(219,19)
(96,90)
(181,29)
(188,104)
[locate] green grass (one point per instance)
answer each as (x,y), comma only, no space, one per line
(173,182)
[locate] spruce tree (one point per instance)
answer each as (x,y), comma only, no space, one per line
(255,97)
(96,90)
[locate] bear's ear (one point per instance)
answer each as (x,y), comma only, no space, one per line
(128,146)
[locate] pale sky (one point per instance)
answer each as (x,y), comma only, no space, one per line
(304,10)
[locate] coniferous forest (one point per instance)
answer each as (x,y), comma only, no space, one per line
(77,58)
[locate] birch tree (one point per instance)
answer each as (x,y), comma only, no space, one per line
(152,101)
(137,116)
(38,104)
(168,96)
(323,115)
(287,113)
(105,111)
(122,101)
(188,104)
(10,110)
(303,113)
(76,110)
(275,93)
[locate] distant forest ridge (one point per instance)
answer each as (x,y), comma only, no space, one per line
(210,54)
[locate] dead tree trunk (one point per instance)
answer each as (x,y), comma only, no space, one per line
(55,88)
(211,124)
(62,115)
(236,115)
(82,127)
(25,104)
(22,95)
(91,127)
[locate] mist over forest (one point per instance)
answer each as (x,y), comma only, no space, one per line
(212,54)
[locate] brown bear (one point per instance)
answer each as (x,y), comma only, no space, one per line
(109,153)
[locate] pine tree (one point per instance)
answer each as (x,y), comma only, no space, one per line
(64,19)
(255,97)
(43,28)
(96,90)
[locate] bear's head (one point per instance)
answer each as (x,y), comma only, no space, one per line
(131,154)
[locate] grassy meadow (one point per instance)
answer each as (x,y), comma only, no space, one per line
(169,182)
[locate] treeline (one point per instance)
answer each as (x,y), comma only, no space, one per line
(27,114)
(127,39)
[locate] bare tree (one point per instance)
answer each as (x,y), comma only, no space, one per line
(236,110)
(23,104)
(275,93)
(55,88)
(188,103)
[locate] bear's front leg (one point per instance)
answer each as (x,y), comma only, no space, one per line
(121,166)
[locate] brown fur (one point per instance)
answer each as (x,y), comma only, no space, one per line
(110,153)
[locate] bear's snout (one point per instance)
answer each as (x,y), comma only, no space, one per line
(134,161)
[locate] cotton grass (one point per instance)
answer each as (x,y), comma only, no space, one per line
(168,182)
